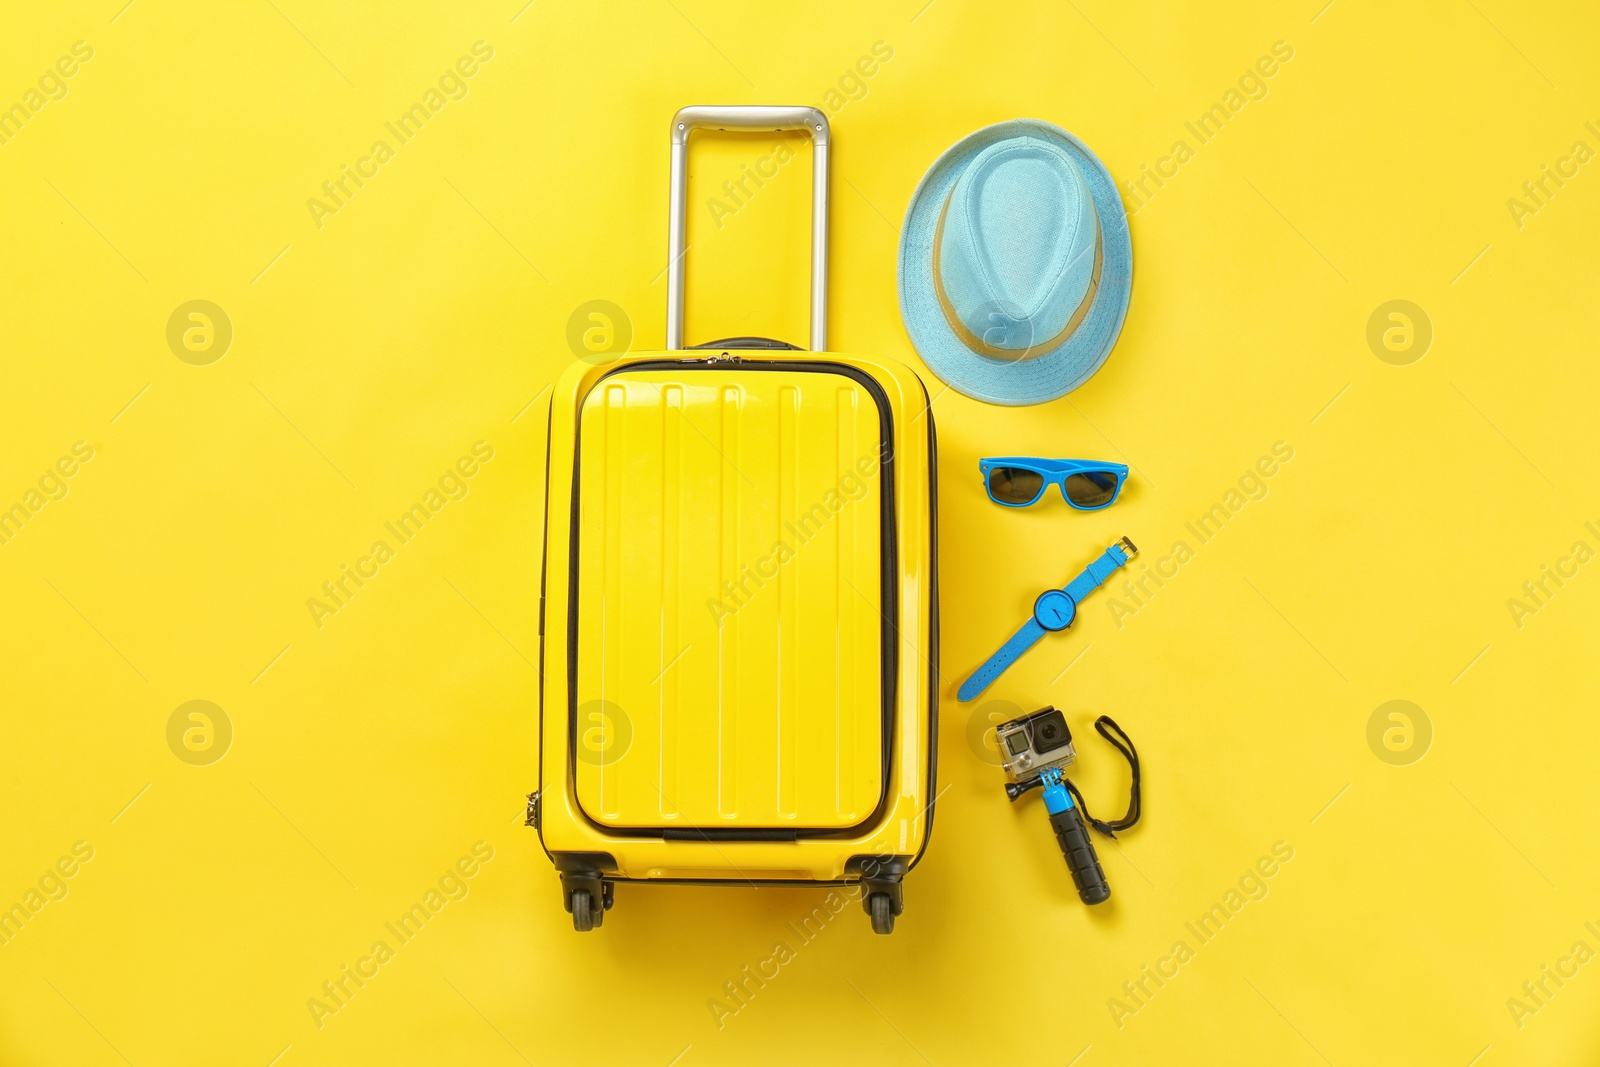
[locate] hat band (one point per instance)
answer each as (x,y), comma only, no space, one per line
(977,344)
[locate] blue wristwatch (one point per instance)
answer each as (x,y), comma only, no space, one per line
(1054,610)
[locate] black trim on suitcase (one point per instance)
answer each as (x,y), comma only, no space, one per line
(889,574)
(723,833)
(933,625)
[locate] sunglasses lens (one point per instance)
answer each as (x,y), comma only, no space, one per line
(1014,485)
(1093,489)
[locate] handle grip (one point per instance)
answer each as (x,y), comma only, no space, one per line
(743,117)
(1087,873)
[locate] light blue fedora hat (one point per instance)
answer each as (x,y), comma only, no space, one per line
(1016,265)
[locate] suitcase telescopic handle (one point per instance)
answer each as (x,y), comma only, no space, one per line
(743,117)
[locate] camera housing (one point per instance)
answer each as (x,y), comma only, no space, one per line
(1033,742)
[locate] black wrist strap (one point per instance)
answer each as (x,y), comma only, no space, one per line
(1105,725)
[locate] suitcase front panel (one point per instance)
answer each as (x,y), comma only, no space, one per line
(730,633)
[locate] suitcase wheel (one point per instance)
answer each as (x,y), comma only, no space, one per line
(587,897)
(881,908)
(882,889)
(583,919)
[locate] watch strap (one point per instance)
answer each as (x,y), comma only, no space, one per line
(1015,646)
(1095,574)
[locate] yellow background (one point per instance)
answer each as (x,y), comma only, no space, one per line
(431,312)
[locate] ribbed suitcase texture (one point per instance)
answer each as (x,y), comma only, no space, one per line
(730,573)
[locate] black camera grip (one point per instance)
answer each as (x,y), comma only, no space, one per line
(1087,874)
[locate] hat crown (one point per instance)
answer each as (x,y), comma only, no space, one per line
(1017,244)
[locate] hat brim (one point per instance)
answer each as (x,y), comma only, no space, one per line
(1045,375)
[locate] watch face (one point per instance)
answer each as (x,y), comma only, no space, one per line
(1054,609)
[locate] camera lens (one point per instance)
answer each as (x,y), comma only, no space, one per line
(1050,731)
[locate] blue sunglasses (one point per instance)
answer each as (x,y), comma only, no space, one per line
(1018,481)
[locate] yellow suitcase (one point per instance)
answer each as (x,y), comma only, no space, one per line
(739,605)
